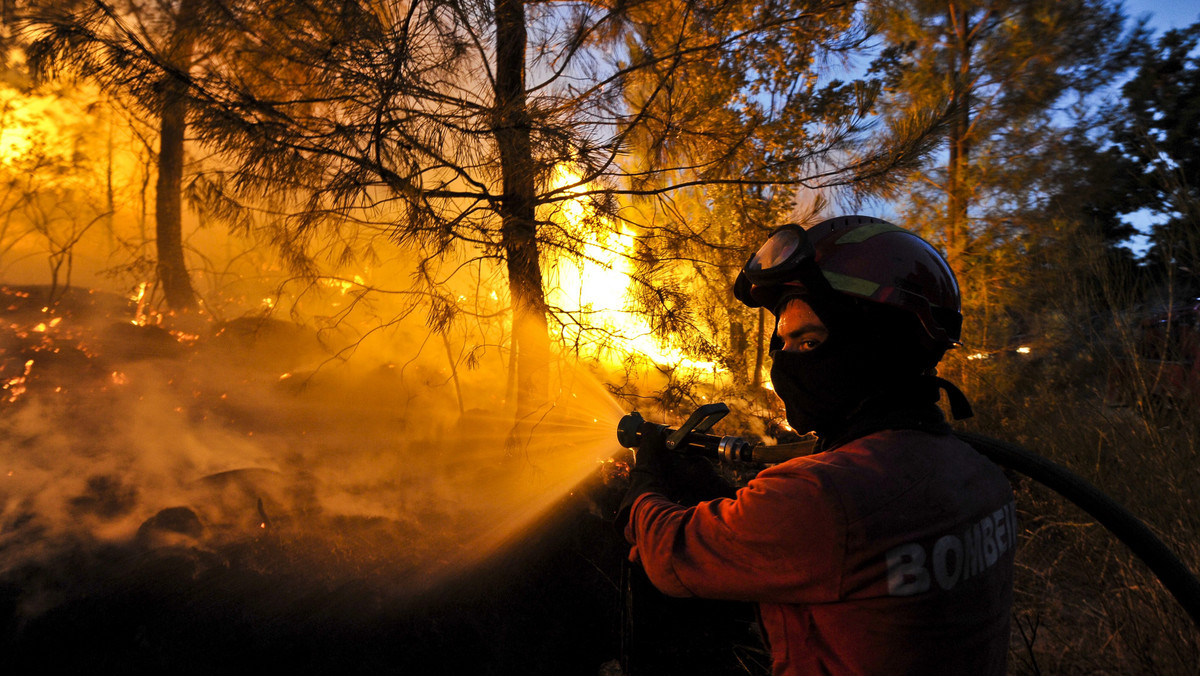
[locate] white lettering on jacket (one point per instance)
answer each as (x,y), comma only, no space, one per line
(955,556)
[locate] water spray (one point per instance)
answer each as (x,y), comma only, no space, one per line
(693,438)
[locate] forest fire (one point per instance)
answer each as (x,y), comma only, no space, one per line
(237,449)
(237,446)
(243,449)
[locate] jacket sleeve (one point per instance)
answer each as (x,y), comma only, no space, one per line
(781,539)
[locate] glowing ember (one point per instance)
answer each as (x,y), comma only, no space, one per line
(16,386)
(43,327)
(184,337)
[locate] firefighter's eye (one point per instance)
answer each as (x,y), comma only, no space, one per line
(805,343)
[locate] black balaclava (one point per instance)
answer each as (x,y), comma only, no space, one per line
(871,363)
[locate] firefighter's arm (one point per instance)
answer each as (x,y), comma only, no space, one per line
(782,539)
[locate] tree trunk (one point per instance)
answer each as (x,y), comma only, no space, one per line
(109,194)
(168,211)
(756,379)
(958,201)
(517,209)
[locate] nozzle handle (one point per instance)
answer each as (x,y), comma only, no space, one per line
(701,421)
(630,428)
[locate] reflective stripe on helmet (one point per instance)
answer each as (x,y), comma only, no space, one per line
(847,284)
(868,231)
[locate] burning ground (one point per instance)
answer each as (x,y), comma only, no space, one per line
(221,498)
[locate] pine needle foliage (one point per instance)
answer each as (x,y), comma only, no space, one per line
(440,125)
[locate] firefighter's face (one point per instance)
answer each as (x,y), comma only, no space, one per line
(800,329)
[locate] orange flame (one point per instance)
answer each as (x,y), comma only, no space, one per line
(139,297)
(594,287)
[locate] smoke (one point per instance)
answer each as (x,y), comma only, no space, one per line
(245,440)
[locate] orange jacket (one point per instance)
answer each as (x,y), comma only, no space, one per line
(892,554)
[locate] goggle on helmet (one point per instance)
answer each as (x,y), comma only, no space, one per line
(859,256)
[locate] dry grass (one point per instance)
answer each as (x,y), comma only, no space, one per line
(1083,602)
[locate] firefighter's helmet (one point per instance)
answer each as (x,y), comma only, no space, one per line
(862,257)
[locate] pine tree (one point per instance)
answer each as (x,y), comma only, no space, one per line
(1010,76)
(144,55)
(749,128)
(442,124)
(1159,135)
(456,117)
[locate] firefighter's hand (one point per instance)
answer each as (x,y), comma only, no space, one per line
(651,465)
(686,479)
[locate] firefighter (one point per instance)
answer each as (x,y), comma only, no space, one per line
(888,551)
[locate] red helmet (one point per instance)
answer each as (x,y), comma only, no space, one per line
(863,257)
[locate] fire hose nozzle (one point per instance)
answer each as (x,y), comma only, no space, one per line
(627,430)
(686,439)
(692,437)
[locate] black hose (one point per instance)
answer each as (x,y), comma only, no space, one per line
(1171,571)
